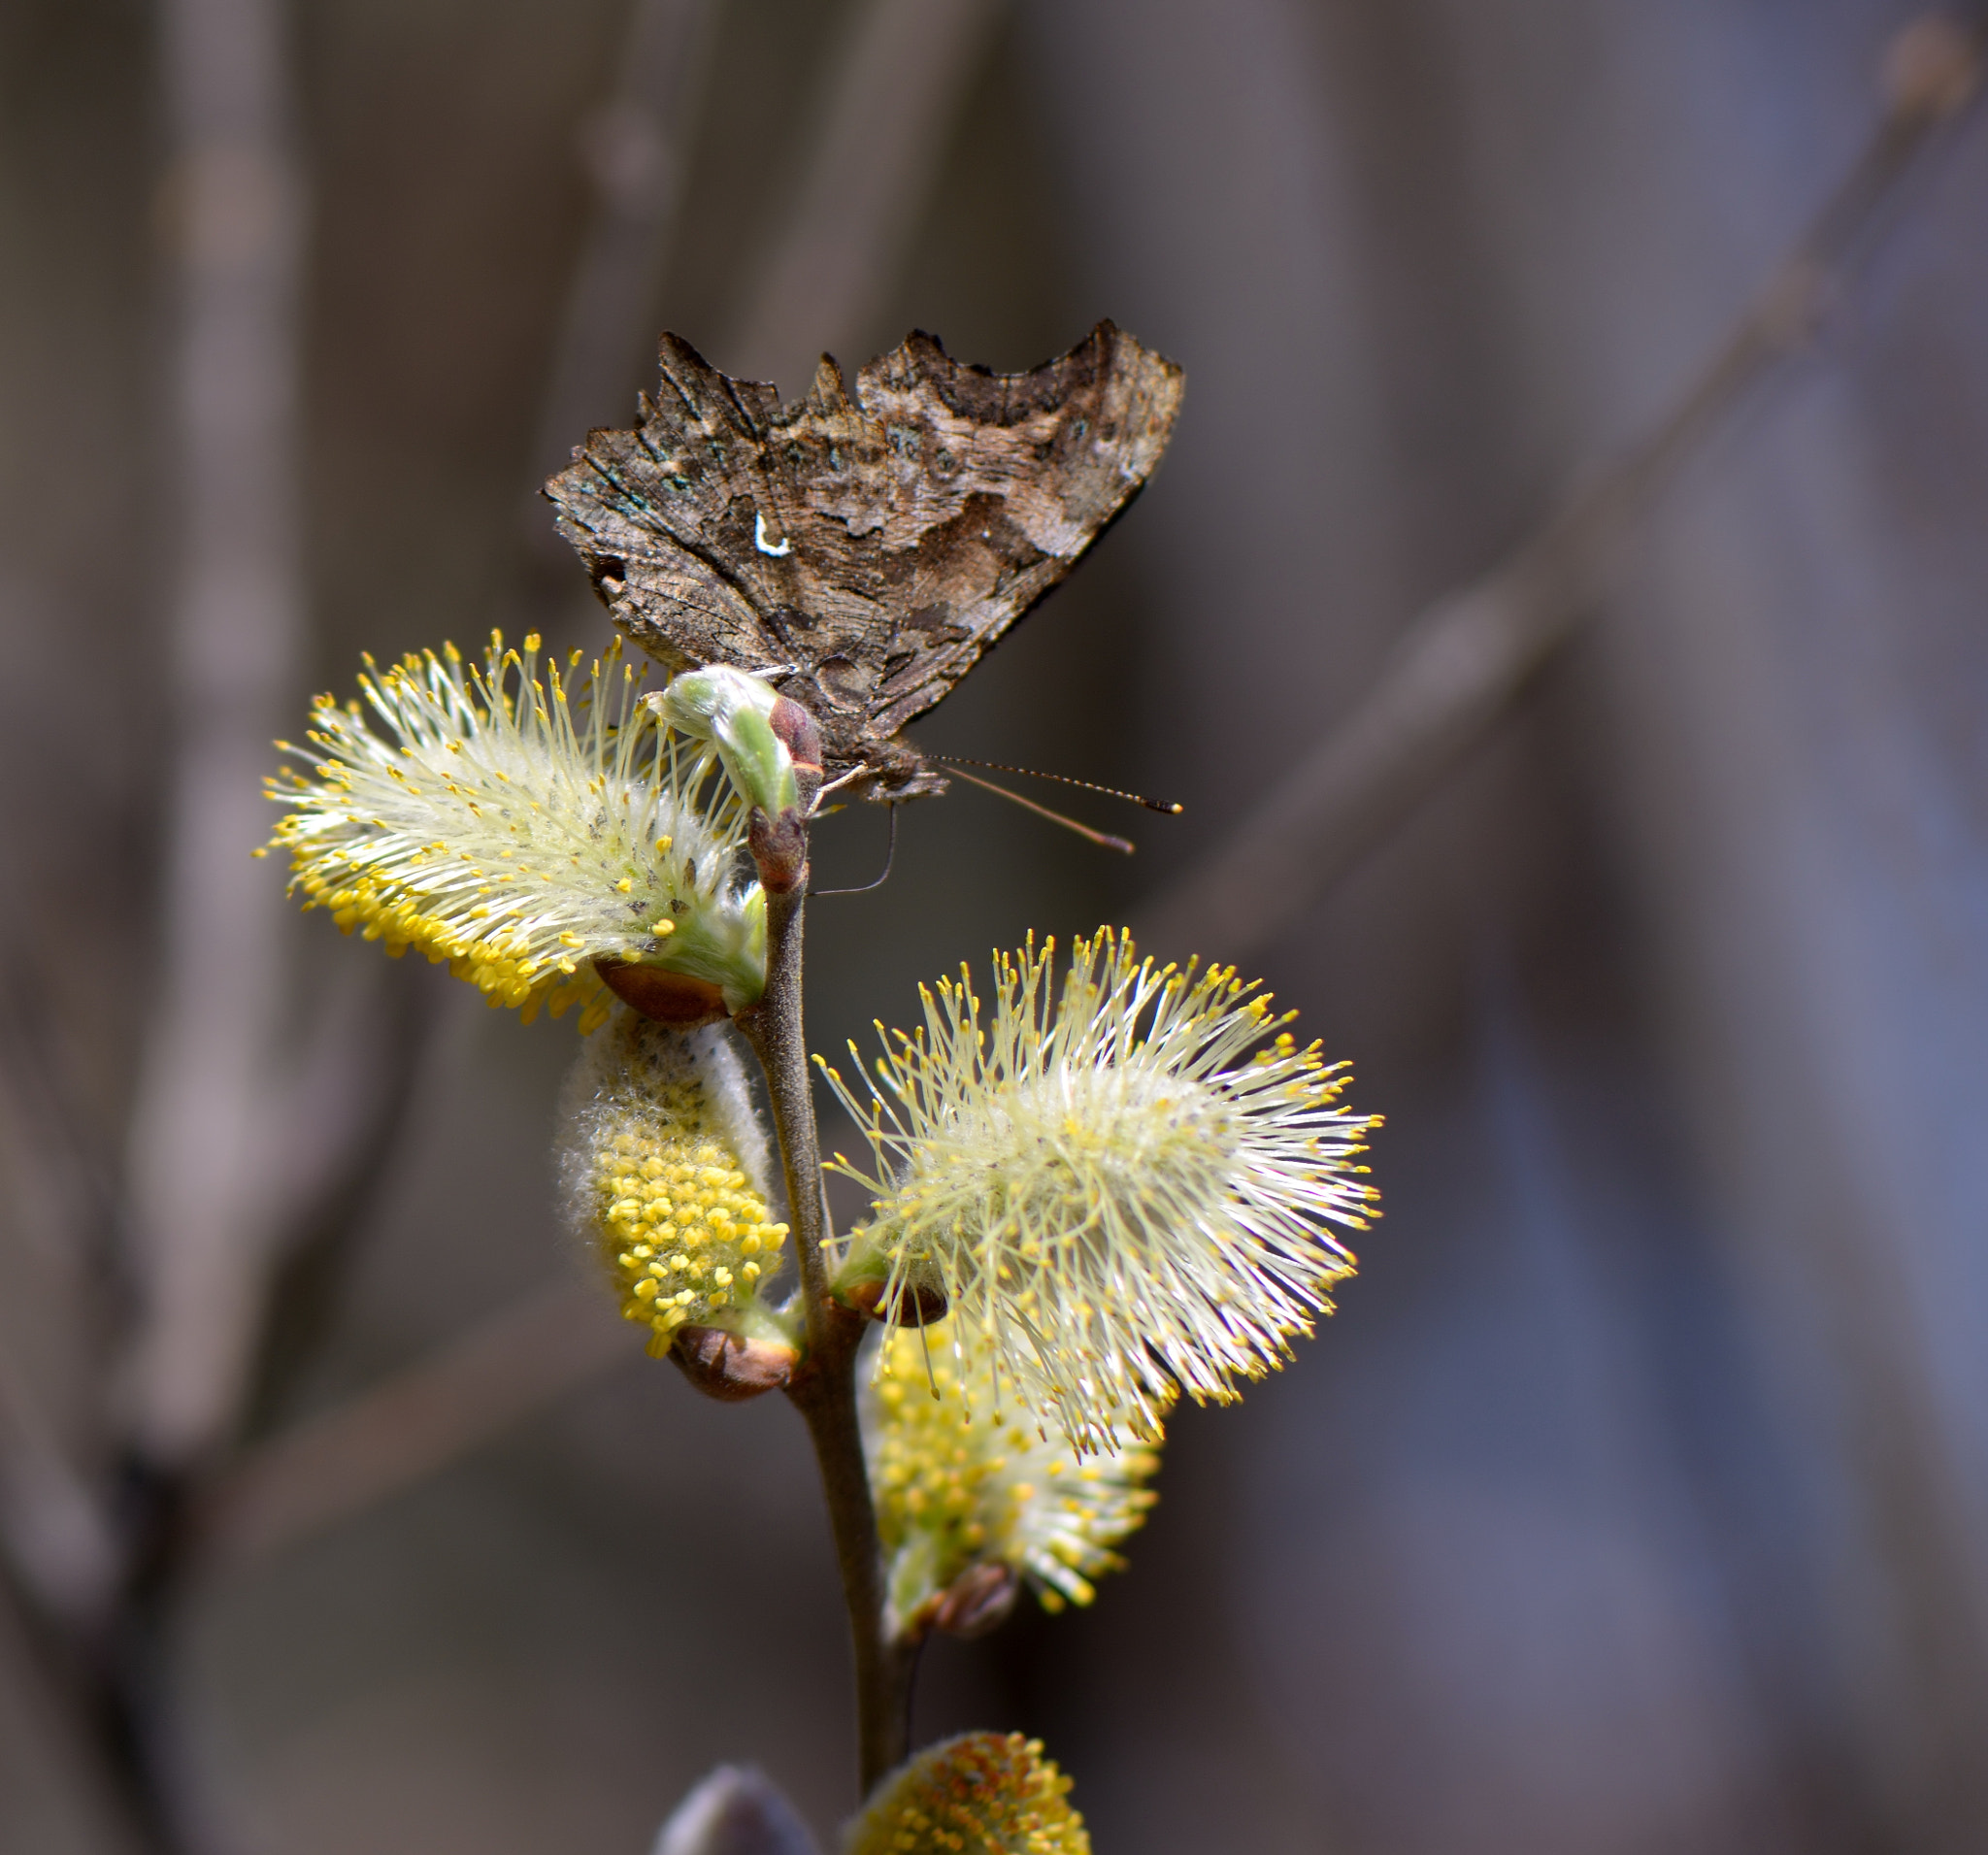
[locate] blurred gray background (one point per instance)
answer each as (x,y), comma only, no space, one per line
(1634,1501)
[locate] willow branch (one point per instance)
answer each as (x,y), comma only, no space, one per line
(824,1386)
(1465,660)
(775,1030)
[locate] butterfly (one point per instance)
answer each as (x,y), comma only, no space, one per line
(860,553)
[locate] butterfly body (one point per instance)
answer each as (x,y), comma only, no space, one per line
(861,551)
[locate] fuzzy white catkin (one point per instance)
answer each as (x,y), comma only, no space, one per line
(522,821)
(1122,1183)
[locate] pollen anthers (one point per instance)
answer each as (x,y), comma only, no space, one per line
(1118,1185)
(959,1484)
(517,821)
(664,1164)
(980,1794)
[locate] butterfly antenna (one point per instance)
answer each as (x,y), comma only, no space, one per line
(1064,780)
(889,857)
(1105,839)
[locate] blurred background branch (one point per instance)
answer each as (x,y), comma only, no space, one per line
(636,146)
(890,95)
(412,1425)
(1464,662)
(204,1156)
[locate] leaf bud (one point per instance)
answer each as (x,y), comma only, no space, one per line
(734,1811)
(668,998)
(779,843)
(731,710)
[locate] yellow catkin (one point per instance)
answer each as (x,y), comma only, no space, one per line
(508,970)
(658,1179)
(981,1794)
(959,1481)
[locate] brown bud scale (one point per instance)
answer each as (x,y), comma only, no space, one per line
(920,1305)
(980,1599)
(730,1367)
(670,998)
(779,847)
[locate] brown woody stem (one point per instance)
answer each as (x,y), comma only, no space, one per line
(823,1386)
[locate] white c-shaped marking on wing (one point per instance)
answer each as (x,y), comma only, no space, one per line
(764,545)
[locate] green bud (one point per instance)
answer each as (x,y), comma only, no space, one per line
(762,769)
(699,702)
(732,710)
(728,947)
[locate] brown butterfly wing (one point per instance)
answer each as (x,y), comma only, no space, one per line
(664,516)
(878,546)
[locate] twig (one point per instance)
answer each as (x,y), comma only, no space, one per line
(411,1425)
(342,1121)
(824,1386)
(60,1681)
(1462,662)
(56,1538)
(775,1030)
(893,96)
